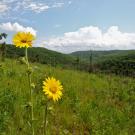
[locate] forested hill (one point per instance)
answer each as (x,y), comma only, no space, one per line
(120,62)
(98,56)
(39,54)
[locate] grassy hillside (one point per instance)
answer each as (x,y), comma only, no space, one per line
(92,104)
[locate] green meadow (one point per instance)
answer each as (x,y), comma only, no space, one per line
(92,104)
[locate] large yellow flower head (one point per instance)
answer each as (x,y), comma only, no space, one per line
(52,88)
(23,39)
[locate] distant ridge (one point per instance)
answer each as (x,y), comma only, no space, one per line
(102,55)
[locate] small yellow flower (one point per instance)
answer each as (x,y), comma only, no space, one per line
(52,88)
(23,39)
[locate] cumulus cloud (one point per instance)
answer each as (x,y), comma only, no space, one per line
(16,27)
(92,37)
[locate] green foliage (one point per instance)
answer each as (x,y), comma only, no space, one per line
(7,100)
(120,65)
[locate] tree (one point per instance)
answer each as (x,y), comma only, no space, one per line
(91,62)
(3,46)
(77,62)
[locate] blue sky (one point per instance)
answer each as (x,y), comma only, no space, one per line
(72,25)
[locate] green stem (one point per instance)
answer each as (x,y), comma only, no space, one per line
(45,118)
(31,93)
(26,57)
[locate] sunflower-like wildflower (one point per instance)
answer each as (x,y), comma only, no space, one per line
(23,39)
(52,88)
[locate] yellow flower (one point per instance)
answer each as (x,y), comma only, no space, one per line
(23,39)
(52,88)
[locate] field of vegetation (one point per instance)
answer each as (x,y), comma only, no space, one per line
(92,104)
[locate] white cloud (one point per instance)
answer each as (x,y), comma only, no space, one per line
(16,27)
(41,7)
(37,7)
(25,5)
(92,37)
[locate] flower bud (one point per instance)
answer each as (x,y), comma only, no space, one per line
(29,70)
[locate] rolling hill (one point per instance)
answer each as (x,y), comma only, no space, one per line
(41,55)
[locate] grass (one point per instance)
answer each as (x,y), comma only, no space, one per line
(92,104)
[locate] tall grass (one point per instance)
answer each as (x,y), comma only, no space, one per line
(94,104)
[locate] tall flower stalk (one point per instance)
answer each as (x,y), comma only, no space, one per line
(52,88)
(24,40)
(29,72)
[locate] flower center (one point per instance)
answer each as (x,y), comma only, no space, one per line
(23,41)
(53,89)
